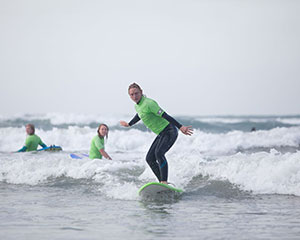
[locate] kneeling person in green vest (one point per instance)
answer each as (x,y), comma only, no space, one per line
(32,141)
(97,144)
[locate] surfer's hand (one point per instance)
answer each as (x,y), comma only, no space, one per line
(187,130)
(124,124)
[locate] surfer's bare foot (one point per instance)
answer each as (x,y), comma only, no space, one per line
(164,182)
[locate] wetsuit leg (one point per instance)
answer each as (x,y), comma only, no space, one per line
(151,158)
(167,138)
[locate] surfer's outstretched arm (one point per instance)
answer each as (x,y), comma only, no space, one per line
(133,121)
(187,130)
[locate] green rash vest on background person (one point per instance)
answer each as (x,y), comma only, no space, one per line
(96,144)
(32,142)
(151,115)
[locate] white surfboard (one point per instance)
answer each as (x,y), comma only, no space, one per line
(155,190)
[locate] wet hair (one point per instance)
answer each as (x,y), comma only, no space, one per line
(102,124)
(32,128)
(134,85)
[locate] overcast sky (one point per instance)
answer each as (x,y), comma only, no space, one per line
(194,57)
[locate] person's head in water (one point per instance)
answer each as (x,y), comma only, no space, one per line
(103,130)
(135,92)
(30,129)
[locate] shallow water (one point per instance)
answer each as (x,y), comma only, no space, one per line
(79,211)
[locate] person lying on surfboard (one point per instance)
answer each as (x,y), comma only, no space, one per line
(159,122)
(97,144)
(32,141)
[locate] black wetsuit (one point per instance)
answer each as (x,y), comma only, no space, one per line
(162,143)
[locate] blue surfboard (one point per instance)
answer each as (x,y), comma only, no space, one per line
(51,148)
(79,155)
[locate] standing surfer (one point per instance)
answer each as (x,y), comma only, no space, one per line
(159,122)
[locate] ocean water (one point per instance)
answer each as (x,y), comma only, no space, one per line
(238,183)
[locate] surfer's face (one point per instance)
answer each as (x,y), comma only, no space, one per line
(29,130)
(135,94)
(103,131)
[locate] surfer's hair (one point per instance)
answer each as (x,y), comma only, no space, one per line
(102,124)
(31,126)
(134,85)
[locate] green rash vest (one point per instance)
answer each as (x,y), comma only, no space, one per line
(96,144)
(32,142)
(151,115)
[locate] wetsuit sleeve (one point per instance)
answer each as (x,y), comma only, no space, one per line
(135,119)
(23,149)
(171,120)
(42,144)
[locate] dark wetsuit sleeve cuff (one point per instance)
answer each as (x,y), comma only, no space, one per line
(23,149)
(135,119)
(43,145)
(171,120)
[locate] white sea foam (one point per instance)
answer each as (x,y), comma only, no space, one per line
(233,120)
(69,118)
(117,190)
(229,143)
(293,121)
(56,118)
(34,168)
(214,155)
(219,120)
(22,116)
(76,138)
(263,173)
